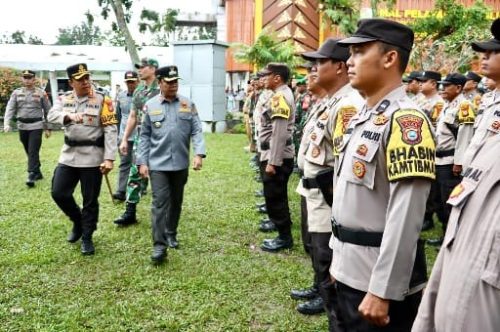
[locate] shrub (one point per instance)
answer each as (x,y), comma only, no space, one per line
(9,81)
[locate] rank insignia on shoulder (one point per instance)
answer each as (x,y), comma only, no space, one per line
(362,150)
(359,169)
(157,124)
(380,120)
(383,106)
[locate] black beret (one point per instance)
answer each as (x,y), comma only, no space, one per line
(131,76)
(454,78)
(168,73)
(412,76)
(77,71)
(429,75)
(473,76)
(387,31)
(28,73)
(329,50)
(278,69)
(492,44)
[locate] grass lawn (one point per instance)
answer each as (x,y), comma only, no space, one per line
(219,280)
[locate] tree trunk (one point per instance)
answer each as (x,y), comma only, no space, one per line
(122,25)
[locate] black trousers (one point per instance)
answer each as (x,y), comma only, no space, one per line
(64,182)
(32,141)
(401,313)
(321,256)
(446,182)
(168,194)
(434,203)
(304,228)
(276,196)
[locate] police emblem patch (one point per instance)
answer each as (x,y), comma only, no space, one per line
(411,128)
(362,150)
(157,124)
(495,125)
(359,169)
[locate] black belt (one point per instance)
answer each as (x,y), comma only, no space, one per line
(266,145)
(361,238)
(29,120)
(99,142)
(445,153)
(309,183)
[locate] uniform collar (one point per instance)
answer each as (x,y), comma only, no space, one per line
(163,100)
(382,105)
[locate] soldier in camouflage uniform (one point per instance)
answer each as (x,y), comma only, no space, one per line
(145,91)
(30,104)
(90,142)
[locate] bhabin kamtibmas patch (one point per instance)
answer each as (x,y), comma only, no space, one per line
(279,107)
(411,149)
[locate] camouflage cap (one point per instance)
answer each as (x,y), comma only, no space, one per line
(147,62)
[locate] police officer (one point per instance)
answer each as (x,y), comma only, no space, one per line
(328,126)
(432,104)
(277,153)
(147,89)
(488,119)
(463,291)
(30,104)
(454,131)
(123,103)
(413,85)
(90,144)
(171,122)
(381,186)
(471,92)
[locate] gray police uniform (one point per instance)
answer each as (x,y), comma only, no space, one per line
(31,107)
(432,106)
(382,179)
(487,124)
(454,131)
(463,293)
(167,130)
(123,104)
(86,146)
(277,120)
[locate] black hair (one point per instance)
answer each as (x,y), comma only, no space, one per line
(403,55)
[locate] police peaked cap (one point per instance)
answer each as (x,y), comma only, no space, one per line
(429,75)
(168,73)
(387,31)
(414,75)
(454,78)
(473,76)
(329,50)
(77,71)
(28,72)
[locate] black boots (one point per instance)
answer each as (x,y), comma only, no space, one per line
(127,218)
(159,255)
(76,233)
(87,245)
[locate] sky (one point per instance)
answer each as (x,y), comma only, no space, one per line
(43,19)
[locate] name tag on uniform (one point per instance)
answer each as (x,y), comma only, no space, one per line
(155,112)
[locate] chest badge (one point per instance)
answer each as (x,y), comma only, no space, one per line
(380,120)
(359,169)
(362,150)
(315,152)
(313,136)
(157,124)
(323,116)
(495,125)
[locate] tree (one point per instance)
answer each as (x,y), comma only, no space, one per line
(196,32)
(121,9)
(345,13)
(84,34)
(267,48)
(9,81)
(442,38)
(19,37)
(161,26)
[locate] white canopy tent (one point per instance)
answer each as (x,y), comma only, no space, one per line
(51,58)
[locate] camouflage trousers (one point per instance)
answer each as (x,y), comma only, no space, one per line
(135,184)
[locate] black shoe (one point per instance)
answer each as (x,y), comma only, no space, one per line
(304,294)
(75,234)
(87,247)
(259,205)
(30,181)
(267,227)
(264,220)
(119,196)
(159,255)
(37,176)
(172,241)
(427,225)
(312,307)
(128,217)
(435,242)
(277,244)
(262,209)
(259,193)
